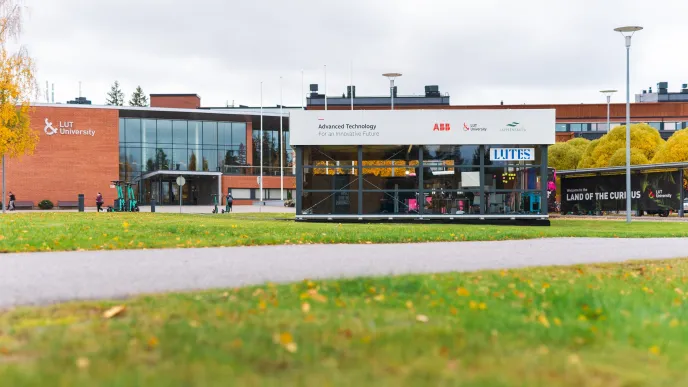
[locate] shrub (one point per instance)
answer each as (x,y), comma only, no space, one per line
(45,204)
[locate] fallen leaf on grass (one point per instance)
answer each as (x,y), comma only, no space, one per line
(153,342)
(422,318)
(654,350)
(82,362)
(305,307)
(114,311)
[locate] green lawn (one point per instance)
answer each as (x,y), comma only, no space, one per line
(90,231)
(602,325)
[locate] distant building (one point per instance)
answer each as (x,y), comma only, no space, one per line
(432,97)
(663,94)
(79,101)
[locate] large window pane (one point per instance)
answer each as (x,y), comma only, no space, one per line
(329,178)
(179,132)
(451,155)
(149,157)
(121,131)
(210,133)
(163,158)
(180,158)
(656,125)
(444,202)
(510,178)
(195,162)
(195,132)
(325,203)
(514,203)
(390,178)
(133,130)
(576,127)
(560,127)
(670,126)
(210,160)
(224,133)
(451,178)
(390,202)
(164,132)
(133,159)
(238,133)
(149,133)
(383,155)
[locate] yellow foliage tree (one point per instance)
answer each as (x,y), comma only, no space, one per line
(579,143)
(17,86)
(563,156)
(619,158)
(675,150)
(644,138)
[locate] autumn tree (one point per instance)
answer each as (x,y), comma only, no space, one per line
(17,86)
(138,98)
(618,159)
(675,150)
(562,156)
(115,97)
(644,138)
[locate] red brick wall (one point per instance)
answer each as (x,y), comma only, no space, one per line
(177,102)
(64,166)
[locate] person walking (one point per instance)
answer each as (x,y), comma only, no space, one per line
(229,201)
(13,198)
(99,202)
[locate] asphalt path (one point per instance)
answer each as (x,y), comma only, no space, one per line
(46,278)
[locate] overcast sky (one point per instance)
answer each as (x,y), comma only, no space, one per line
(478,51)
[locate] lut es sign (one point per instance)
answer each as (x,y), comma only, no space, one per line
(512,154)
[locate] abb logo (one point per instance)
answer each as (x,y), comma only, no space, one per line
(441,127)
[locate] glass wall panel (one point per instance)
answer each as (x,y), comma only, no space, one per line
(121,130)
(224,133)
(133,159)
(319,155)
(163,158)
(390,178)
(149,157)
(329,178)
(448,202)
(513,203)
(149,133)
(210,134)
(195,163)
(390,202)
(195,132)
(165,132)
(238,133)
(210,160)
(180,158)
(326,203)
(512,178)
(179,132)
(447,155)
(133,130)
(451,178)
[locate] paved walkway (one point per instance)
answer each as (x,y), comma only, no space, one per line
(188,209)
(42,278)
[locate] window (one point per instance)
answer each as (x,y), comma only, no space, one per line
(195,135)
(560,127)
(149,137)
(671,125)
(576,127)
(241,193)
(179,132)
(121,131)
(238,133)
(133,130)
(656,125)
(180,158)
(165,132)
(600,127)
(448,155)
(210,134)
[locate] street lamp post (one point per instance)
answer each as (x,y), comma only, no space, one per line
(391,77)
(627,33)
(608,94)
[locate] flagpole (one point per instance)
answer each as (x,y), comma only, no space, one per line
(261,144)
(351,84)
(281,147)
(325,87)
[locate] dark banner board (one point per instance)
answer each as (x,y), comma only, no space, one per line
(652,191)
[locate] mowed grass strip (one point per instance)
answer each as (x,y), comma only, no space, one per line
(91,231)
(600,325)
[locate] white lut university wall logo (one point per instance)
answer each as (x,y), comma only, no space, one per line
(66,128)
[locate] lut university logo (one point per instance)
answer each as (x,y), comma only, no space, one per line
(49,130)
(441,127)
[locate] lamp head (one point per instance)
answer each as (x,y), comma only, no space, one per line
(391,75)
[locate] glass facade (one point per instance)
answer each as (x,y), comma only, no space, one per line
(271,151)
(149,145)
(415,180)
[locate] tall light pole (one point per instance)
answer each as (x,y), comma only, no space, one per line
(325,87)
(281,147)
(391,77)
(627,33)
(261,144)
(608,94)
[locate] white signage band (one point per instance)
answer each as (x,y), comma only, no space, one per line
(423,127)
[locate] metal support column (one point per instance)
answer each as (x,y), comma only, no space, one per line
(544,180)
(299,178)
(482,179)
(421,183)
(360,179)
(681,197)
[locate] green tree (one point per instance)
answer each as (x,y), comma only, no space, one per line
(644,138)
(115,97)
(138,98)
(618,159)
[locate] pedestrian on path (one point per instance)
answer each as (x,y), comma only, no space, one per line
(13,198)
(230,201)
(99,202)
